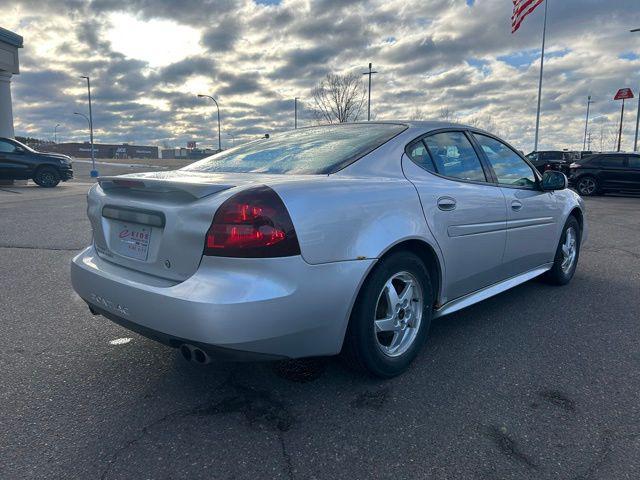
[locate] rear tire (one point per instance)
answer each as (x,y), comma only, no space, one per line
(46,177)
(567,254)
(388,327)
(587,185)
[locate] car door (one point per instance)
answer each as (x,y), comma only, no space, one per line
(633,164)
(532,214)
(6,167)
(12,164)
(465,212)
(612,174)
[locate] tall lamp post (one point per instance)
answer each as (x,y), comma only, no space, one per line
(55,133)
(635,141)
(233,139)
(89,124)
(586,123)
(94,172)
(214,101)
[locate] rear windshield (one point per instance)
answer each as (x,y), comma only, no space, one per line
(313,150)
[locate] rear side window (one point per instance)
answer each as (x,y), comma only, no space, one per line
(612,161)
(634,162)
(420,156)
(315,150)
(454,156)
(510,169)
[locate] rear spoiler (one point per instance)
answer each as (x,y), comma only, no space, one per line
(192,186)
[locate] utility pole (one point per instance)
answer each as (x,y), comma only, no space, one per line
(219,135)
(589,141)
(544,37)
(586,123)
(94,172)
(369,73)
(55,134)
(295,113)
(635,141)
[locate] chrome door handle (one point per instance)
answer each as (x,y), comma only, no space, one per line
(446,203)
(516,205)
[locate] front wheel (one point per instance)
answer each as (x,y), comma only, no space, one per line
(567,253)
(391,317)
(47,177)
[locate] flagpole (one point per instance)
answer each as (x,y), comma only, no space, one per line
(544,35)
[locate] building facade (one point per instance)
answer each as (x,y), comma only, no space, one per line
(9,66)
(102,150)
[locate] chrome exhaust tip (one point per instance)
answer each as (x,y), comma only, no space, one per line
(194,354)
(186,352)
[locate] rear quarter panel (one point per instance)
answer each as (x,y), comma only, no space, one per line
(342,218)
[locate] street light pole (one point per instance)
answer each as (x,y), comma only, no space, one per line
(586,123)
(370,74)
(55,133)
(233,139)
(94,172)
(295,113)
(214,101)
(635,141)
(89,124)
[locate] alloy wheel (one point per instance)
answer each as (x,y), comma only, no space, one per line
(569,250)
(587,186)
(398,314)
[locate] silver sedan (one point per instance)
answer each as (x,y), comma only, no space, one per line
(341,238)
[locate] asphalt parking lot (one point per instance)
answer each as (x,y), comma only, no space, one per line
(540,382)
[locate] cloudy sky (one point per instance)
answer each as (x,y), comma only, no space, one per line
(149,58)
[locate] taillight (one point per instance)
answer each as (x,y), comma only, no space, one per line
(252,224)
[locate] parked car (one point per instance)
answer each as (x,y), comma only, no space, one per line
(552,160)
(21,162)
(606,172)
(336,238)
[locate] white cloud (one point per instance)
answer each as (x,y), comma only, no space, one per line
(148,58)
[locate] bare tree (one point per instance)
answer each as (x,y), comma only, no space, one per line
(448,115)
(485,123)
(339,98)
(417,114)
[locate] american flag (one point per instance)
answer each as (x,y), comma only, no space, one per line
(522,8)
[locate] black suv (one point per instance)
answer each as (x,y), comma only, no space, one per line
(20,162)
(606,172)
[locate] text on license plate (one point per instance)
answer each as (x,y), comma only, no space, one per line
(132,240)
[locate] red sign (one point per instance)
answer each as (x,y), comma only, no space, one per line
(623,94)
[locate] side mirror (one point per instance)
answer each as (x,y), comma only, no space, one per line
(554,180)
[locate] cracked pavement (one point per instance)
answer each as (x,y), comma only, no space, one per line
(540,382)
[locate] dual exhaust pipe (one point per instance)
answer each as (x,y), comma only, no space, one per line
(194,354)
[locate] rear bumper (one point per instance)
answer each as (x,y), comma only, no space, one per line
(242,308)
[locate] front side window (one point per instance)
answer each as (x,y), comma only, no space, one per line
(510,169)
(6,147)
(454,156)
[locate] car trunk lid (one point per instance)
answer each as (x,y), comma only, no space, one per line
(156,223)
